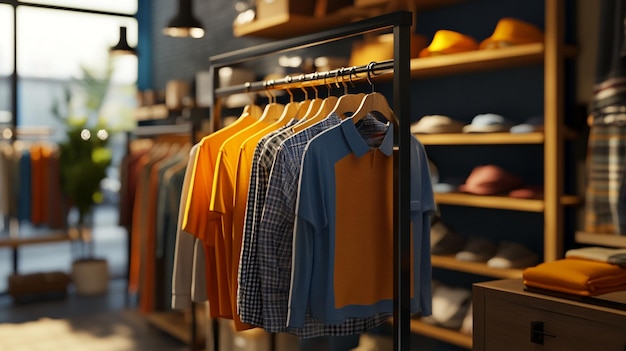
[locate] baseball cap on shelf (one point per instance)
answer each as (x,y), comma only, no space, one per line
(434,124)
(449,42)
(487,123)
(380,48)
(511,31)
(533,124)
(490,180)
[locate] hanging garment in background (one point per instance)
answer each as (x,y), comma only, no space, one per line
(31,184)
(25,190)
(189,275)
(605,194)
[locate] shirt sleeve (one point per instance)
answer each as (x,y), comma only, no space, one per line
(184,247)
(307,206)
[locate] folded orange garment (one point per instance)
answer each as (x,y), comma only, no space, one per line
(577,276)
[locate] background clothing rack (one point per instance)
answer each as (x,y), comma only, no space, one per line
(400,23)
(186,130)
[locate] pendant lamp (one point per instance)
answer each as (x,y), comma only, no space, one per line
(184,24)
(122,47)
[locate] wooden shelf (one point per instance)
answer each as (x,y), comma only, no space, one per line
(53,237)
(481,60)
(146,113)
(500,202)
(284,25)
(610,240)
(480,139)
(450,262)
(488,138)
(443,334)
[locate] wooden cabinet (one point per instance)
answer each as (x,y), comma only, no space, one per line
(506,317)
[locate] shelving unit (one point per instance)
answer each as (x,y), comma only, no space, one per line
(551,54)
(285,25)
(601,239)
(450,262)
(501,202)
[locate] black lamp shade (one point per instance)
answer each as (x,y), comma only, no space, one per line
(184,24)
(122,47)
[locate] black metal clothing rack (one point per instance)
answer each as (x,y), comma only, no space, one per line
(400,23)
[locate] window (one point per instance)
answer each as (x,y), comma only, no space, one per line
(6,62)
(119,6)
(53,39)
(52,53)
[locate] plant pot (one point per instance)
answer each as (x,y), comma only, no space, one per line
(90,276)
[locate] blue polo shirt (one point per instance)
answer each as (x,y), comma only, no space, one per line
(342,241)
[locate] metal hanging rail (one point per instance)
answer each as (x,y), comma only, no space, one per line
(316,78)
(400,23)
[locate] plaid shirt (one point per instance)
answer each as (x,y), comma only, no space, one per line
(249,296)
(274,239)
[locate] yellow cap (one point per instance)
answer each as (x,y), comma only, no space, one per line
(449,42)
(510,31)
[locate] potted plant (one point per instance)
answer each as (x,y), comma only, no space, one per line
(84,159)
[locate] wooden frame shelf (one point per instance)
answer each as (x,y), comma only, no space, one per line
(610,240)
(443,334)
(151,112)
(479,268)
(480,138)
(285,25)
(53,237)
(504,138)
(481,60)
(500,202)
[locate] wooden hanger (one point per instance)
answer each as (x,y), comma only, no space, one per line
(252,110)
(373,102)
(273,110)
(290,110)
(304,105)
(347,103)
(324,110)
(314,106)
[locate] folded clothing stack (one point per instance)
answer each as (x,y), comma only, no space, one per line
(578,276)
(602,254)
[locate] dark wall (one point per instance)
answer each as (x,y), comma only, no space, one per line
(181,58)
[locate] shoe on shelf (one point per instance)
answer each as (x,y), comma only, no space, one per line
(477,249)
(512,255)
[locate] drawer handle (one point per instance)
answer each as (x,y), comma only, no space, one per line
(537,334)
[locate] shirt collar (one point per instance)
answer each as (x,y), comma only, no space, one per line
(356,142)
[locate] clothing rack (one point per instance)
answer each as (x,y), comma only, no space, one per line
(188,129)
(12,133)
(400,23)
